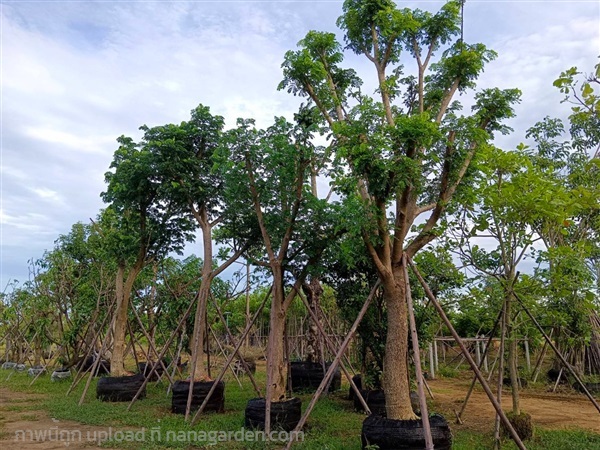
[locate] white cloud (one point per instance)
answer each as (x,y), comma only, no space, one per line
(77,75)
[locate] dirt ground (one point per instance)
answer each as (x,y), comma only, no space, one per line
(563,410)
(17,414)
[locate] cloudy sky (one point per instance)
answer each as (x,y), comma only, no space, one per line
(75,75)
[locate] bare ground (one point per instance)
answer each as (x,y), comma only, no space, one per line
(564,410)
(18,412)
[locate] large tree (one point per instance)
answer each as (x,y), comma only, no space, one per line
(268,173)
(407,150)
(185,152)
(140,225)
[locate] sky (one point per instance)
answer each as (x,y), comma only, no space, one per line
(75,75)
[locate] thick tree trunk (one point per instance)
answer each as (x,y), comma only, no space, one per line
(197,341)
(395,364)
(123,292)
(313,292)
(276,366)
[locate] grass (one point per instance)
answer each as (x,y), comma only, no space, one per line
(332,425)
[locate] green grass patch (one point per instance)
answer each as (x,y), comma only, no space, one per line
(332,425)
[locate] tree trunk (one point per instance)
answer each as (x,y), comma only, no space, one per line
(197,341)
(512,357)
(276,367)
(395,364)
(123,292)
(37,351)
(313,292)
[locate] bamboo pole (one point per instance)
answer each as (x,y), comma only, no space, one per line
(238,354)
(331,346)
(163,351)
(417,358)
(458,340)
(558,353)
(334,363)
(229,359)
(485,352)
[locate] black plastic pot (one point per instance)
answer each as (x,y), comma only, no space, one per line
(389,434)
(522,381)
(358,382)
(593,388)
(285,415)
(307,376)
(181,391)
(119,389)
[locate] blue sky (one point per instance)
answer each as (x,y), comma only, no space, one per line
(76,75)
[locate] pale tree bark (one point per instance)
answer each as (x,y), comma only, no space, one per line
(395,364)
(123,292)
(314,291)
(276,366)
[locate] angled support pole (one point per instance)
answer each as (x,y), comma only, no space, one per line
(334,363)
(558,353)
(460,343)
(230,358)
(417,358)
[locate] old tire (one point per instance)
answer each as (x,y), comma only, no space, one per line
(103,367)
(60,374)
(593,388)
(119,389)
(181,390)
(389,434)
(358,382)
(307,376)
(144,368)
(36,370)
(285,415)
(375,399)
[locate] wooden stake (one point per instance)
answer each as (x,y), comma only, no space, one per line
(458,340)
(417,358)
(334,363)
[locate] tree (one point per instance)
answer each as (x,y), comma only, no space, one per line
(267,175)
(186,159)
(140,225)
(408,150)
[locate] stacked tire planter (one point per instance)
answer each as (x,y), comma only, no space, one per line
(60,374)
(36,370)
(119,389)
(307,376)
(181,390)
(357,379)
(389,434)
(285,415)
(144,368)
(103,367)
(375,400)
